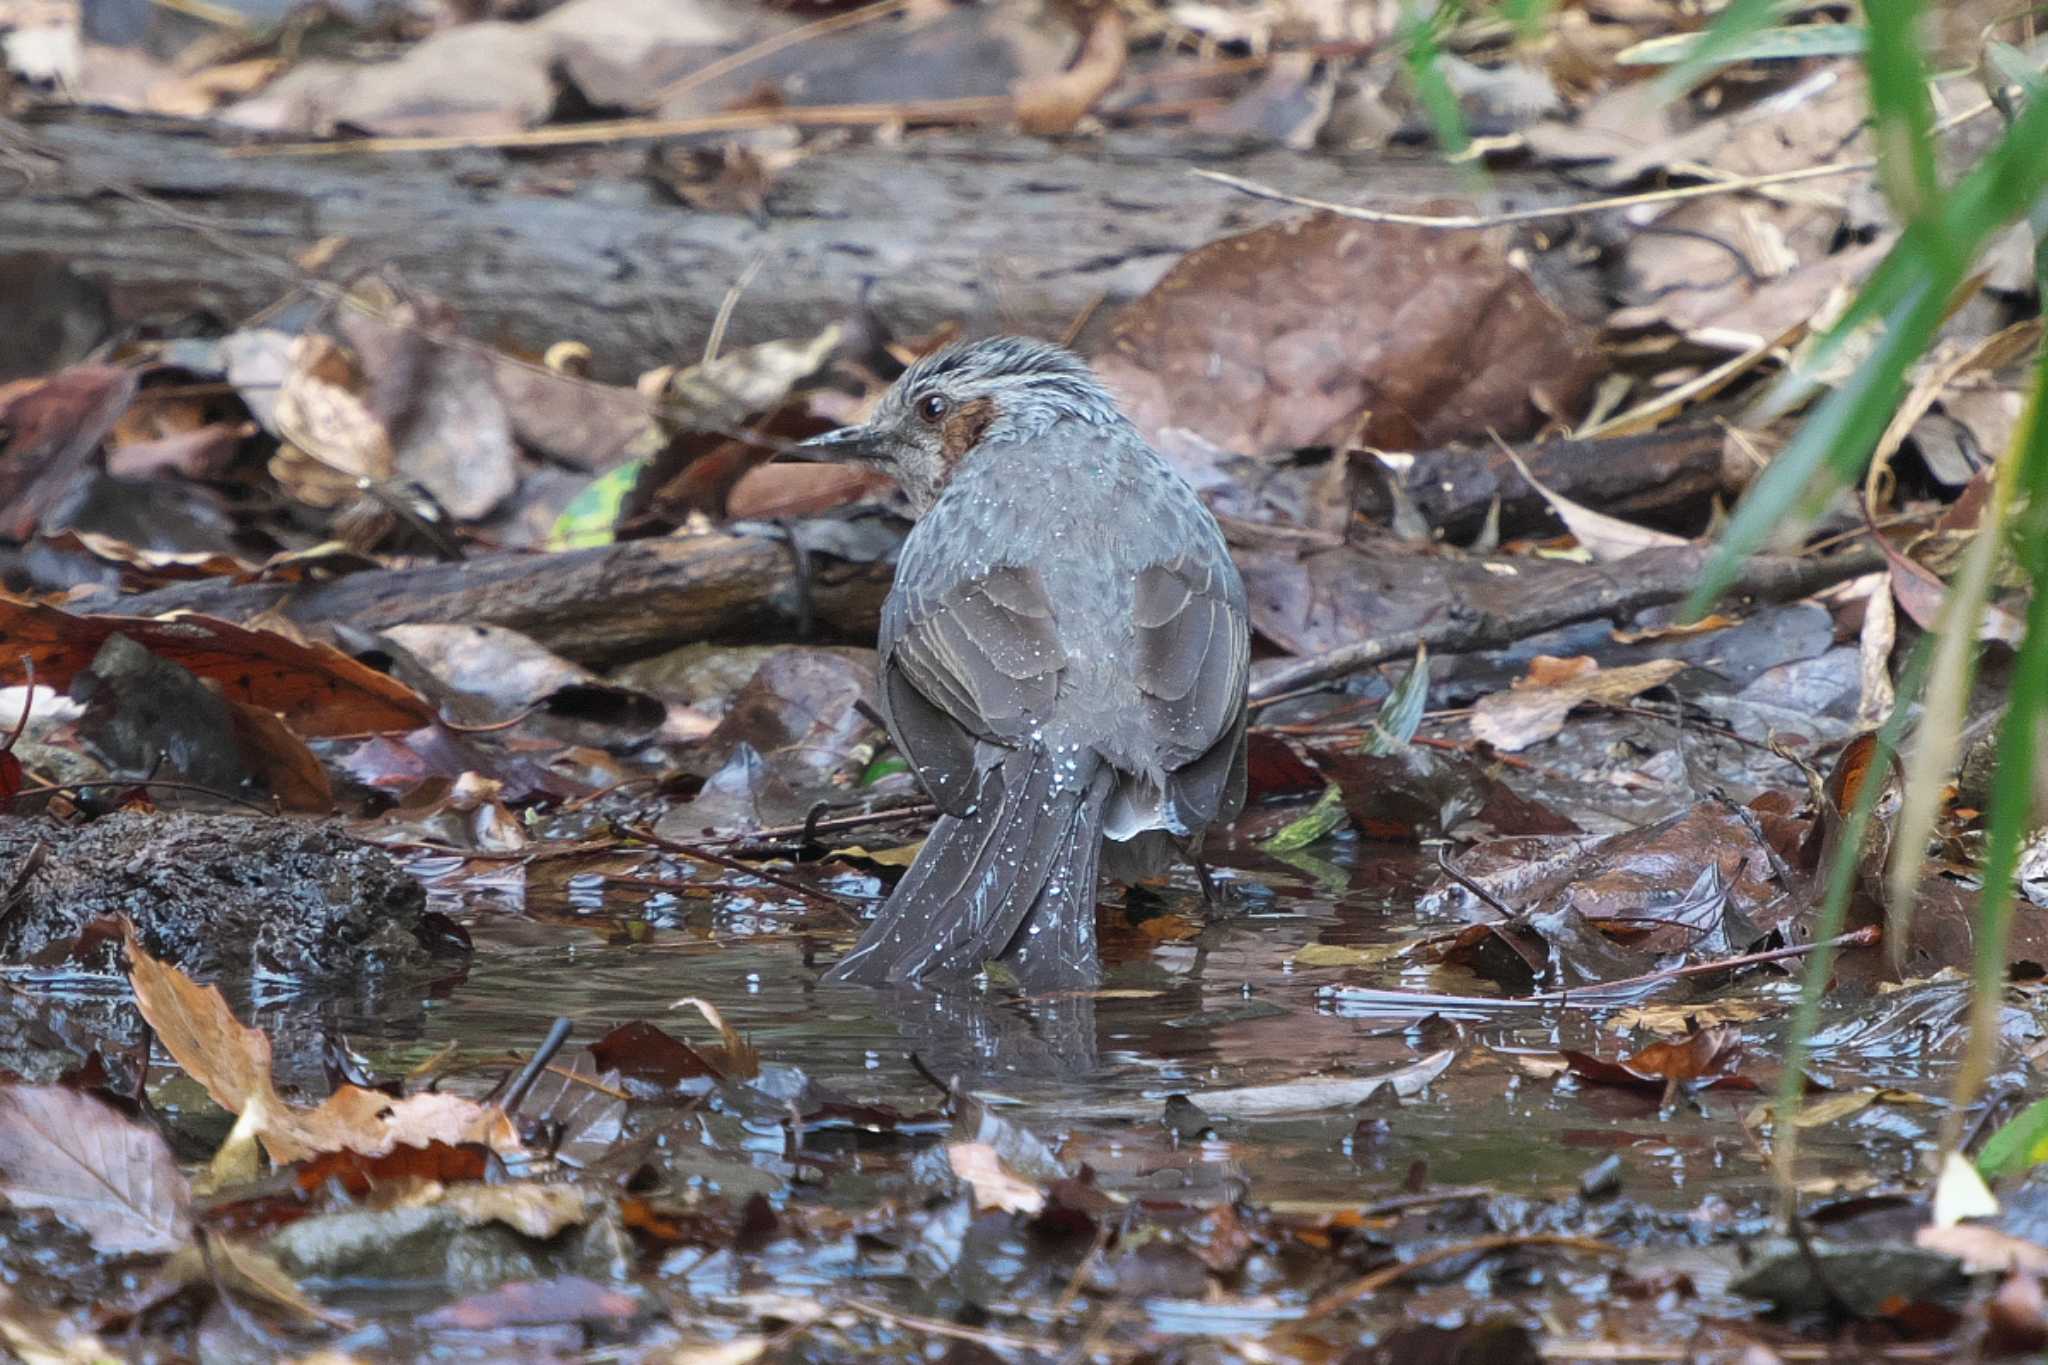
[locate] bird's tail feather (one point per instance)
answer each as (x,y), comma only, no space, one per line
(1014,882)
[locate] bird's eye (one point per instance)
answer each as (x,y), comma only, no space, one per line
(932,407)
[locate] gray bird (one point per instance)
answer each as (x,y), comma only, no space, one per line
(1063,661)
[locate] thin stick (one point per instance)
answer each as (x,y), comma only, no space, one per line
(1731,185)
(969,110)
(768,47)
(823,899)
(726,306)
(1855,938)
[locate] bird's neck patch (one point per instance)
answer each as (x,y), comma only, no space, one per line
(963,429)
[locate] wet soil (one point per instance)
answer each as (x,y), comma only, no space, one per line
(214,894)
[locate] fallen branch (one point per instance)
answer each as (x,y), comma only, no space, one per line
(1652,578)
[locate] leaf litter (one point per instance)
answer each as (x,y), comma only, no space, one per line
(1501,952)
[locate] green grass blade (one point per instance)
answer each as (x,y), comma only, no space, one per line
(1528,16)
(2012,786)
(1916,281)
(1422,55)
(1936,741)
(1834,908)
(1902,112)
(1834,441)
(1796,43)
(1717,45)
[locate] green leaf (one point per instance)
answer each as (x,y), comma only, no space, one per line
(2012,782)
(1433,90)
(1729,33)
(2020,1143)
(1323,818)
(1762,45)
(592,516)
(885,765)
(1902,109)
(1401,713)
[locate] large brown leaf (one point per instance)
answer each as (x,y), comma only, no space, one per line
(1291,335)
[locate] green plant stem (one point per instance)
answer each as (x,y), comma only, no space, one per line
(2012,788)
(1841,883)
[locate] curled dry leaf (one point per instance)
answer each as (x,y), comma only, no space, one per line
(1606,538)
(738,1059)
(232,1061)
(1051,105)
(319,690)
(1325,330)
(1534,710)
(333,439)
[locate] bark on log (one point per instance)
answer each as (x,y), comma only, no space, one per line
(595,606)
(1662,478)
(986,229)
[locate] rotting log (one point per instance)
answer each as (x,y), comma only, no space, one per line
(986,229)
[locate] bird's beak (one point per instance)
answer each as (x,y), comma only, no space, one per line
(847,445)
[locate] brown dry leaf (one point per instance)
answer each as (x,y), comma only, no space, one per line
(1606,538)
(202,92)
(1733,270)
(1051,105)
(53,428)
(319,690)
(1324,330)
(1984,1250)
(250,1273)
(738,384)
(1681,630)
(64,1152)
(1527,714)
(289,771)
(333,438)
(232,1061)
(994,1186)
(436,400)
(149,567)
(799,490)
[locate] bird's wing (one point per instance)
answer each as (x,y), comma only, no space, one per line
(1194,657)
(978,662)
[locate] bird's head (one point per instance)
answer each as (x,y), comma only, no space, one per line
(963,399)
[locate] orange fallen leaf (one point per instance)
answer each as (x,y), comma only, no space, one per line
(232,1061)
(319,690)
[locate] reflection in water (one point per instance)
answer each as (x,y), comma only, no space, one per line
(983,1038)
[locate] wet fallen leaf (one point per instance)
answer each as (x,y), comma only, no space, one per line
(66,1153)
(53,431)
(737,1059)
(532,1303)
(319,690)
(1312,1093)
(1528,714)
(194,1024)
(995,1187)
